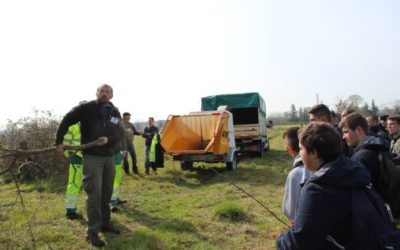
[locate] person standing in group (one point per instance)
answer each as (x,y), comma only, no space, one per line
(367,147)
(129,143)
(99,120)
(321,113)
(115,200)
(296,177)
(148,134)
(393,124)
(73,137)
(376,129)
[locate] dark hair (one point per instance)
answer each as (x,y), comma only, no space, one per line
(374,118)
(383,117)
(126,114)
(394,118)
(292,137)
(321,110)
(354,120)
(322,138)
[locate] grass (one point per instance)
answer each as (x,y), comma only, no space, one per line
(175,209)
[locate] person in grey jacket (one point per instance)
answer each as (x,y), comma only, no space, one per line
(296,177)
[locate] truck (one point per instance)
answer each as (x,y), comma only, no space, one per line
(249,119)
(206,136)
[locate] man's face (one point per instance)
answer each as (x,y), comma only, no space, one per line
(289,149)
(393,127)
(126,118)
(309,159)
(314,118)
(104,94)
(151,122)
(371,122)
(350,136)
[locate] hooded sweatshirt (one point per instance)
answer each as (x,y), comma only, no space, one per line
(294,181)
(367,153)
(324,207)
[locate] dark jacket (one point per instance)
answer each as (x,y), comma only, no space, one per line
(324,207)
(367,153)
(96,121)
(148,134)
(379,131)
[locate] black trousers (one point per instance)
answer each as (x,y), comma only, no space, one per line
(131,151)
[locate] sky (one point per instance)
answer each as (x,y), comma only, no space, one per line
(162,56)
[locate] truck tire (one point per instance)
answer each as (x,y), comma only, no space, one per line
(261,153)
(186,165)
(267,148)
(232,165)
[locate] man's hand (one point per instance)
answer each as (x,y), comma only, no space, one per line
(60,149)
(124,154)
(102,141)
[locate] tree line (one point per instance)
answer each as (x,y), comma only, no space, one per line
(355,102)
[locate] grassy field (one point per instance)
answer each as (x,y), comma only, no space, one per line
(175,209)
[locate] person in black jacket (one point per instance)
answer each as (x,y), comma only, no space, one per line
(323,218)
(321,113)
(148,134)
(99,119)
(367,148)
(376,129)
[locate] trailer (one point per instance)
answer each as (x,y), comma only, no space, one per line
(200,137)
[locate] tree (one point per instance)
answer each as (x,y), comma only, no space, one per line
(354,102)
(293,114)
(365,111)
(340,105)
(374,109)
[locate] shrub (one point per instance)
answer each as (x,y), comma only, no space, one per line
(231,211)
(31,133)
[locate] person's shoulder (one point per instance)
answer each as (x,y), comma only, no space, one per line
(296,172)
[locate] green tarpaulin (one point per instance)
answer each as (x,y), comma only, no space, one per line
(234,101)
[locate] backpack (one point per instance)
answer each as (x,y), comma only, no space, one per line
(388,185)
(372,225)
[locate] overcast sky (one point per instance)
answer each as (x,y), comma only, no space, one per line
(162,56)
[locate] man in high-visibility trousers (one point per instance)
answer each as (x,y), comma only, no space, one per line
(117,181)
(73,137)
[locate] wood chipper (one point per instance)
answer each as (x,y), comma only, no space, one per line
(206,136)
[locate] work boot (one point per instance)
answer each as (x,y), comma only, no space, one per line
(110,229)
(94,240)
(119,202)
(114,209)
(74,216)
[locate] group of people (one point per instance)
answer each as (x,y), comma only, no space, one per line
(99,167)
(331,161)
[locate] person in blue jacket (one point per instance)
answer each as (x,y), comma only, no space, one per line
(323,217)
